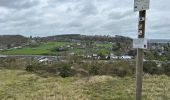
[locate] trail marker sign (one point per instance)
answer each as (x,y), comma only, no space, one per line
(140,43)
(140,5)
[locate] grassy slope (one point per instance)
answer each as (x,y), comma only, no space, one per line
(20,85)
(107,45)
(42,49)
(45,49)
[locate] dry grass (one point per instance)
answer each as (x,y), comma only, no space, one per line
(21,85)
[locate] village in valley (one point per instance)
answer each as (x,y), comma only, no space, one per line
(86,47)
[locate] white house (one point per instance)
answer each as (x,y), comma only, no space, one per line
(126,57)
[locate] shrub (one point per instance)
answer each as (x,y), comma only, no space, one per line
(12,63)
(53,68)
(166,68)
(29,68)
(94,70)
(150,67)
(64,69)
(34,45)
(59,49)
(123,68)
(118,68)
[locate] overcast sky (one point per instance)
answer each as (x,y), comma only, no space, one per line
(91,17)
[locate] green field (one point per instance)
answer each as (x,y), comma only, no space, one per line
(21,85)
(107,45)
(45,49)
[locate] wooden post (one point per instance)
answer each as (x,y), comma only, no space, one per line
(139,61)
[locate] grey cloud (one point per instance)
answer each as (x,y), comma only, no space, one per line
(18,16)
(51,17)
(74,24)
(62,1)
(18,4)
(88,9)
(117,15)
(161,26)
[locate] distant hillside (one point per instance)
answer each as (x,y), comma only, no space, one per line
(78,37)
(8,41)
(158,40)
(121,43)
(66,37)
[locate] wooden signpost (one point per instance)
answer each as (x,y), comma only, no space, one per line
(141,6)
